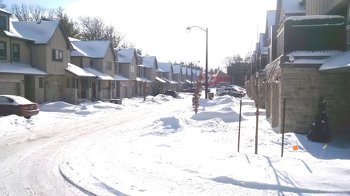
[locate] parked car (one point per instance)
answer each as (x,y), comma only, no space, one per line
(240,89)
(12,104)
(232,91)
(171,93)
(189,90)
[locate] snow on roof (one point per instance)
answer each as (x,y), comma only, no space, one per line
(18,68)
(15,35)
(311,57)
(160,80)
(101,76)
(13,32)
(323,53)
(125,55)
(141,79)
(189,81)
(5,11)
(338,62)
(72,39)
(39,31)
(164,67)
(170,81)
(177,68)
(310,17)
(119,77)
(149,61)
(292,7)
(78,71)
(221,73)
(93,48)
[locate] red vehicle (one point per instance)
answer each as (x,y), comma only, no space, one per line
(12,104)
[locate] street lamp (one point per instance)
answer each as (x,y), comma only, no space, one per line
(206,56)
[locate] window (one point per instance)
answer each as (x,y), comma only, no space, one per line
(3,54)
(4,100)
(132,69)
(3,21)
(16,52)
(57,55)
(41,82)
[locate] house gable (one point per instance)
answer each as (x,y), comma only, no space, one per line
(127,61)
(51,48)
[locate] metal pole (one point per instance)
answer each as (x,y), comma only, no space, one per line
(206,64)
(239,124)
(257,116)
(191,76)
(283,119)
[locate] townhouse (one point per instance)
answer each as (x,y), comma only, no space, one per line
(127,61)
(307,60)
(16,69)
(41,47)
(40,62)
(95,61)
(165,72)
(148,74)
(177,72)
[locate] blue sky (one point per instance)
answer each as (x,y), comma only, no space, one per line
(158,27)
(42,3)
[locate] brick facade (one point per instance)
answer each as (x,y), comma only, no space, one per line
(303,86)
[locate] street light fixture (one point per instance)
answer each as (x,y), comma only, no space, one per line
(206,56)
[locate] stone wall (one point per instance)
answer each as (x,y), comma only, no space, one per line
(303,86)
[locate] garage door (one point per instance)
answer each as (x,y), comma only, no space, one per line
(9,88)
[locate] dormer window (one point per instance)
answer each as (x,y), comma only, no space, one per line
(3,22)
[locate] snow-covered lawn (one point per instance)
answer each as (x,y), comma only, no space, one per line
(160,147)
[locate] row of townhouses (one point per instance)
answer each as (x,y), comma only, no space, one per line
(38,61)
(304,56)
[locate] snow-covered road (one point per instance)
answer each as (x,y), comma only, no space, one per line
(160,147)
(29,161)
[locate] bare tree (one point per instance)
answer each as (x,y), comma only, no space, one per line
(233,60)
(2,5)
(96,29)
(21,12)
(32,13)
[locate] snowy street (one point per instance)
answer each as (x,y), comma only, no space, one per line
(160,147)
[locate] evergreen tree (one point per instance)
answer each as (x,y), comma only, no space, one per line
(319,130)
(69,26)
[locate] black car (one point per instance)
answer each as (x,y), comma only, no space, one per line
(174,94)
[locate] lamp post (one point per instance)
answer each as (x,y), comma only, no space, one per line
(206,56)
